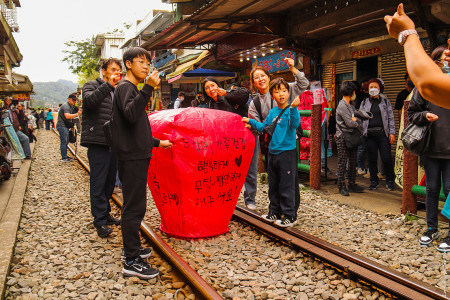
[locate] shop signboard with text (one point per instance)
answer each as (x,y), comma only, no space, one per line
(275,62)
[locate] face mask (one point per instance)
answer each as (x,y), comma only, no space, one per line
(410,84)
(374,92)
(353,97)
(446,67)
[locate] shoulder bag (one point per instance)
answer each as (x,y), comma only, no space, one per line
(416,138)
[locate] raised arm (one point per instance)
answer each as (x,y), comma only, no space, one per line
(432,84)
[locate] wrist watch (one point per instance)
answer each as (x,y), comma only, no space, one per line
(402,36)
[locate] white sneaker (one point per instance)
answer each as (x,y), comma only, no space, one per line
(361,171)
(251,206)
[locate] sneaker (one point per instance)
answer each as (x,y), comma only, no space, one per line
(445,245)
(271,217)
(381,176)
(66,160)
(354,188)
(373,186)
(367,175)
(143,253)
(139,268)
(429,236)
(390,186)
(286,222)
(361,171)
(343,191)
(103,231)
(251,206)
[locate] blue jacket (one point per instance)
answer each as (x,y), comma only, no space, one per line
(284,137)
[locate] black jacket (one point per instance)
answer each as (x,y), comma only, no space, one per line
(439,142)
(132,135)
(97,109)
(235,101)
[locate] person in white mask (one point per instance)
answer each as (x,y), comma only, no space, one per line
(379,132)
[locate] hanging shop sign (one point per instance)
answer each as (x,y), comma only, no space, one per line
(24,96)
(366,52)
(275,63)
(161,61)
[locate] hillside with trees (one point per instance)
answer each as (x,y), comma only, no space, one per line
(52,93)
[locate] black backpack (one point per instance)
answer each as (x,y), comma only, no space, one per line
(264,138)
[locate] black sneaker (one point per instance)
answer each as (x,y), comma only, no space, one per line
(429,236)
(354,188)
(139,268)
(103,231)
(343,191)
(110,220)
(445,245)
(390,186)
(373,186)
(271,217)
(285,222)
(143,253)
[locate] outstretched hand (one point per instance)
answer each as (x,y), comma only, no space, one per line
(398,22)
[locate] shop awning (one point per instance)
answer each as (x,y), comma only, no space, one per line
(197,76)
(187,66)
(20,84)
(218,19)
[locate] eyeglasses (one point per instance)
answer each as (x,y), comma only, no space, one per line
(142,63)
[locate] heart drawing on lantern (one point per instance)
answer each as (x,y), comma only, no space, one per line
(197,182)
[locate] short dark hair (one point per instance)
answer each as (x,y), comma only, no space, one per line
(109,61)
(236,84)
(376,80)
(133,52)
(180,94)
(277,83)
(347,88)
(73,96)
(437,53)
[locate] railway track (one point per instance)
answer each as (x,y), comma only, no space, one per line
(355,267)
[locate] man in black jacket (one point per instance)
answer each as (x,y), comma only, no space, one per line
(133,143)
(97,109)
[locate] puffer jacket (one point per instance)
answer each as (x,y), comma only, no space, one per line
(97,109)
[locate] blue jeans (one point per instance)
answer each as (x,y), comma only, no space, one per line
(25,142)
(250,184)
(361,156)
(436,171)
(64,138)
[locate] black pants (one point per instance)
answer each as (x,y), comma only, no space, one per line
(437,171)
(373,144)
(345,156)
(133,175)
(103,164)
(282,169)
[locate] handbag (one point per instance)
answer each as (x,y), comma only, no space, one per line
(375,131)
(416,138)
(72,135)
(352,137)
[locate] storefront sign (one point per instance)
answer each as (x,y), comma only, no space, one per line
(160,62)
(274,63)
(24,96)
(366,52)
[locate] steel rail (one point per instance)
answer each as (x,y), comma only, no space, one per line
(204,289)
(384,278)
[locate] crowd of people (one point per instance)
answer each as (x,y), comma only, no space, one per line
(118,136)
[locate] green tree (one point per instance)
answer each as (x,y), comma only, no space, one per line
(82,57)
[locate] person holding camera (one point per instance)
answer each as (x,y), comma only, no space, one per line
(65,116)
(98,105)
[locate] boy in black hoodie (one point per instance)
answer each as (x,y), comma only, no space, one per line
(133,143)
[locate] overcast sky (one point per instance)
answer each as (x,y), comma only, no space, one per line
(46,24)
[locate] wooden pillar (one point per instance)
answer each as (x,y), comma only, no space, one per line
(410,176)
(316,137)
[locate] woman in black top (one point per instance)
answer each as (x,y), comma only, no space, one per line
(437,157)
(233,101)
